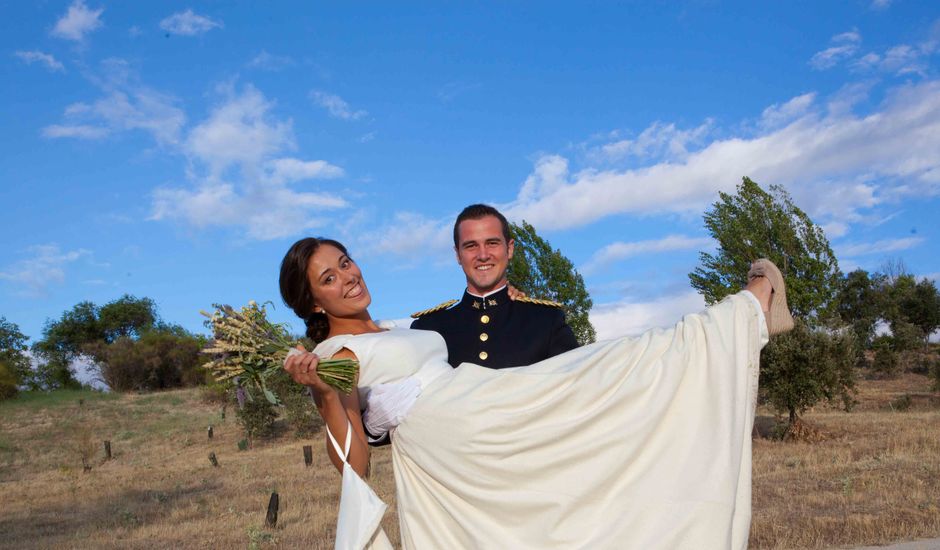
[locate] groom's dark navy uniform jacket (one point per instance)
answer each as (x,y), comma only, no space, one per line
(497,332)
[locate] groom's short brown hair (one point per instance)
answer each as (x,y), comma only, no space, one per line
(477,211)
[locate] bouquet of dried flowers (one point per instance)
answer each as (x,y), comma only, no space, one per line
(249,346)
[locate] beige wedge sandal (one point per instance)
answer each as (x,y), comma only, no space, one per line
(779,319)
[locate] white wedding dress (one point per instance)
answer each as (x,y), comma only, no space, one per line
(641,442)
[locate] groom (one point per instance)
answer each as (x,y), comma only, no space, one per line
(485,326)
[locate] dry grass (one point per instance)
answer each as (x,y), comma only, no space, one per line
(160,490)
(875,479)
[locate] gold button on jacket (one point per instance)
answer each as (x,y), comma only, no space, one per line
(484,355)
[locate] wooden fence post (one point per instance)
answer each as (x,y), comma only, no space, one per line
(308,455)
(107,450)
(213,460)
(210,431)
(271,519)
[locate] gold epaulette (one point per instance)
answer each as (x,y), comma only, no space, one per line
(527,300)
(438,307)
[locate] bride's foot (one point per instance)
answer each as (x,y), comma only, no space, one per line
(777,313)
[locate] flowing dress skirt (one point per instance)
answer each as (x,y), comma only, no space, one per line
(638,442)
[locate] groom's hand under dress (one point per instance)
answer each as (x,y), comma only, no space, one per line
(387,405)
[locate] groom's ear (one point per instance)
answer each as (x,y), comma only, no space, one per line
(511,246)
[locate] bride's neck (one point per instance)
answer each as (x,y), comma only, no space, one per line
(359,324)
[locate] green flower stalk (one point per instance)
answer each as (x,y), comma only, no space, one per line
(249,346)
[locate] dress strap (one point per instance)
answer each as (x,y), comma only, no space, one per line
(344,452)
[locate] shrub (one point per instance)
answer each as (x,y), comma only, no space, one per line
(161,358)
(885,364)
(907,336)
(804,366)
(299,410)
(902,403)
(8,387)
(256,415)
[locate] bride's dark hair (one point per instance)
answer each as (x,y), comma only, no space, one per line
(295,287)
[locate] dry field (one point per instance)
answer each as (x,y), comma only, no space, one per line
(875,479)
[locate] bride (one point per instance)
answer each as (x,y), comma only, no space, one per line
(640,442)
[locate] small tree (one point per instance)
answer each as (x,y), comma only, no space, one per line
(800,368)
(885,364)
(922,308)
(860,305)
(543,272)
(13,347)
(804,366)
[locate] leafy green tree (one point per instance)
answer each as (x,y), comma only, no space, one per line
(753,224)
(802,367)
(126,317)
(922,308)
(911,307)
(860,305)
(86,330)
(806,366)
(13,347)
(545,273)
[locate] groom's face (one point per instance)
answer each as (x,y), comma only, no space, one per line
(483,253)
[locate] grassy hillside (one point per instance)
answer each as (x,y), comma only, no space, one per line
(876,478)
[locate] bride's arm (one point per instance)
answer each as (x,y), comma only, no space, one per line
(335,409)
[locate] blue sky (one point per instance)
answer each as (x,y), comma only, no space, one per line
(176,150)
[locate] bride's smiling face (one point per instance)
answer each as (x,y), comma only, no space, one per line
(336,283)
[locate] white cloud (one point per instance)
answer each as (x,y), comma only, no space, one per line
(835,229)
(903,59)
(36,56)
(264,212)
(269,62)
(412,234)
(617,251)
(239,177)
(778,115)
(879,247)
(80,131)
(845,46)
(892,149)
(880,4)
(136,108)
(77,22)
(239,131)
(626,318)
(336,106)
(659,141)
(46,267)
(286,170)
(187,23)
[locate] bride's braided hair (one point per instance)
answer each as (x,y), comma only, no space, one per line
(295,286)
